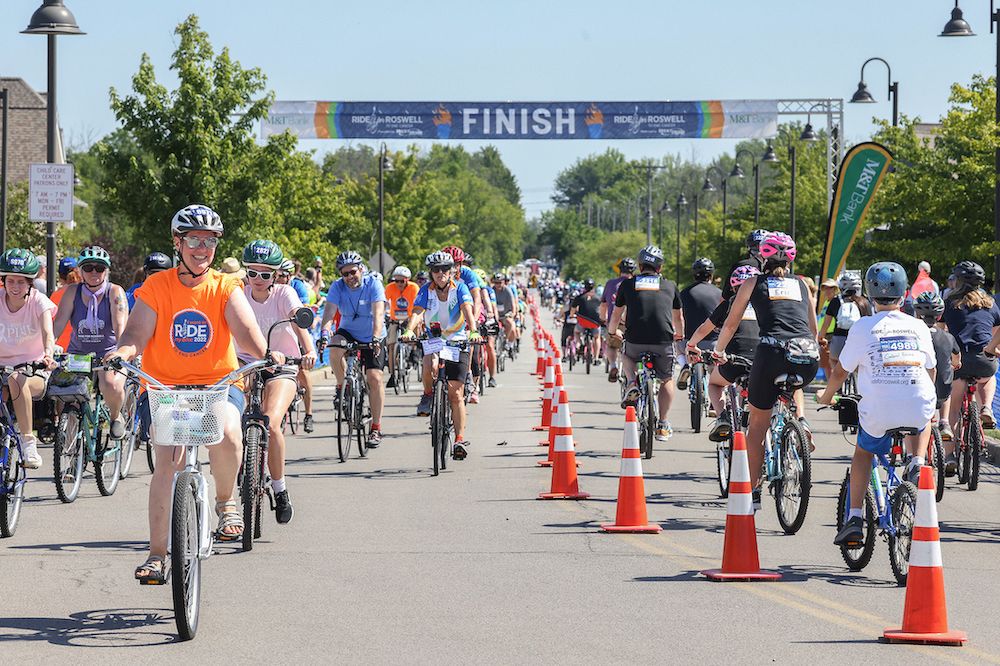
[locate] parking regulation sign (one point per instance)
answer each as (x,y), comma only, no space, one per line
(50,193)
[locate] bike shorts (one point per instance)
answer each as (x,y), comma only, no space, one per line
(663,364)
(455,371)
(836,343)
(236,398)
(880,446)
(567,333)
(976,364)
(369,361)
(392,333)
(768,363)
(732,371)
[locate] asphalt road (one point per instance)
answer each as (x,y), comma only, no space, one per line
(385,564)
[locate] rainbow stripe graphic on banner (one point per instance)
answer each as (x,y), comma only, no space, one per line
(711,119)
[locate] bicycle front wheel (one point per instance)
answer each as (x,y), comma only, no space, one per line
(108,463)
(12,485)
(439,403)
(67,456)
(697,395)
(185,565)
(131,438)
(253,438)
(857,558)
(904,510)
(792,493)
(936,454)
(345,419)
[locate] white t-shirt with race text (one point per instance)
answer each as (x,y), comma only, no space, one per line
(891,352)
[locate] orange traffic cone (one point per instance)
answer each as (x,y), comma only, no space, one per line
(539,354)
(739,554)
(557,388)
(547,396)
(631,514)
(564,481)
(925,614)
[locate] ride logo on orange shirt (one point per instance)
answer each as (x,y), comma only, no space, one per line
(63,338)
(401,299)
(191,344)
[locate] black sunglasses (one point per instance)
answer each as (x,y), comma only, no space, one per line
(93,268)
(441,269)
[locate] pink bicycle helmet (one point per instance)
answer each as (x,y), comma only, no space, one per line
(741,274)
(778,247)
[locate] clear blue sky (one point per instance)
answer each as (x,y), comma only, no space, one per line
(525,50)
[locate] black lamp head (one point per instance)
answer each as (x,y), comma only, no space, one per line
(737,171)
(769,155)
(681,200)
(957,26)
(808,134)
(52,18)
(861,95)
(708,186)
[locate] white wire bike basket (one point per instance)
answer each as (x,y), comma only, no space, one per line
(188,417)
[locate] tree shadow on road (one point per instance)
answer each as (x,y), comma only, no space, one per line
(837,576)
(400,473)
(105,628)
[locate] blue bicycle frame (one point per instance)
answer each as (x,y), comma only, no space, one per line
(883,511)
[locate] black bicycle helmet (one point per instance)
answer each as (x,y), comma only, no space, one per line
(968,274)
(627,265)
(754,238)
(703,268)
(156,261)
(588,284)
(196,217)
(651,255)
(929,305)
(422,275)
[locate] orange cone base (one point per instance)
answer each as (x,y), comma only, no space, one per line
(631,529)
(724,576)
(572,496)
(945,638)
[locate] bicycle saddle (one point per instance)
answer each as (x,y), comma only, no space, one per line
(902,431)
(789,381)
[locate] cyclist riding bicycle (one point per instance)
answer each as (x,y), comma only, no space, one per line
(286,275)
(655,320)
(25,337)
(929,306)
(185,322)
(96,311)
(973,317)
(475,286)
(587,309)
(698,301)
(506,305)
(360,300)
(626,269)
(68,274)
(894,358)
(151,265)
(784,309)
(445,306)
(489,324)
(271,303)
(744,344)
(399,295)
(752,258)
(843,311)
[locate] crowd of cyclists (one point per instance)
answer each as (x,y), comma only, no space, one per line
(909,354)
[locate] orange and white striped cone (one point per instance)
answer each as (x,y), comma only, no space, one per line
(739,554)
(564,482)
(925,613)
(539,354)
(631,513)
(547,396)
(557,388)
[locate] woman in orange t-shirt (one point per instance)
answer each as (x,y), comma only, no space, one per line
(185,320)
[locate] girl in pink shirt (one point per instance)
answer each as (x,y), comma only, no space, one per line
(25,337)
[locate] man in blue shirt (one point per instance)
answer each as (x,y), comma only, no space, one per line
(360,301)
(153,264)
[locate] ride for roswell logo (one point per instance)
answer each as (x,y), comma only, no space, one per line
(190,332)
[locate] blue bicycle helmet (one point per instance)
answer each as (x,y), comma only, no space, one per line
(885,281)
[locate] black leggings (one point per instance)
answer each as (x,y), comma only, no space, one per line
(768,363)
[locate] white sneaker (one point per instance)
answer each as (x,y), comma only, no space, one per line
(31,458)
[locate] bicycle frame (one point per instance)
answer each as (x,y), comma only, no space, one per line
(782,409)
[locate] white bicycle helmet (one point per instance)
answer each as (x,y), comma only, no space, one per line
(196,217)
(401,271)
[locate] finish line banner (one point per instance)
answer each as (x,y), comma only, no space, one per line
(740,119)
(860,175)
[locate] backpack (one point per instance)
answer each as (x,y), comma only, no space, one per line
(847,315)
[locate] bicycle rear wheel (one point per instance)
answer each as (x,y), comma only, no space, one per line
(12,484)
(588,355)
(975,442)
(402,369)
(108,463)
(345,419)
(253,439)
(67,455)
(904,510)
(185,565)
(361,420)
(936,455)
(697,395)
(857,558)
(791,495)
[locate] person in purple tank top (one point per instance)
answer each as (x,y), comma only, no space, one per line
(97,312)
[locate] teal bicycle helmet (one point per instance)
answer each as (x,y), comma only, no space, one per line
(95,254)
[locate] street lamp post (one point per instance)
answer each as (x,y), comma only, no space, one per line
(51,19)
(959,27)
(737,172)
(3,173)
(862,96)
(384,164)
(650,168)
(709,186)
(681,202)
(695,243)
(665,208)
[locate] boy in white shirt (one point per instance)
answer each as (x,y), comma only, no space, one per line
(893,355)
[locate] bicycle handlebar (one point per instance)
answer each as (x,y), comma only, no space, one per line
(30,365)
(118,365)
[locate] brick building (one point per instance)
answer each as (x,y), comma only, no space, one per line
(26,141)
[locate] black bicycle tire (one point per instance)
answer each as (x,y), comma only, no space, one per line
(868,549)
(724,454)
(344,406)
(962,450)
(360,431)
(651,417)
(58,471)
(588,355)
(403,370)
(445,452)
(184,505)
(437,427)
(149,456)
(107,482)
(805,480)
(975,444)
(936,451)
(11,503)
(253,437)
(697,380)
(128,443)
(900,562)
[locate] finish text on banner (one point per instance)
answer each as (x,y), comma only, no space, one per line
(737,119)
(860,175)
